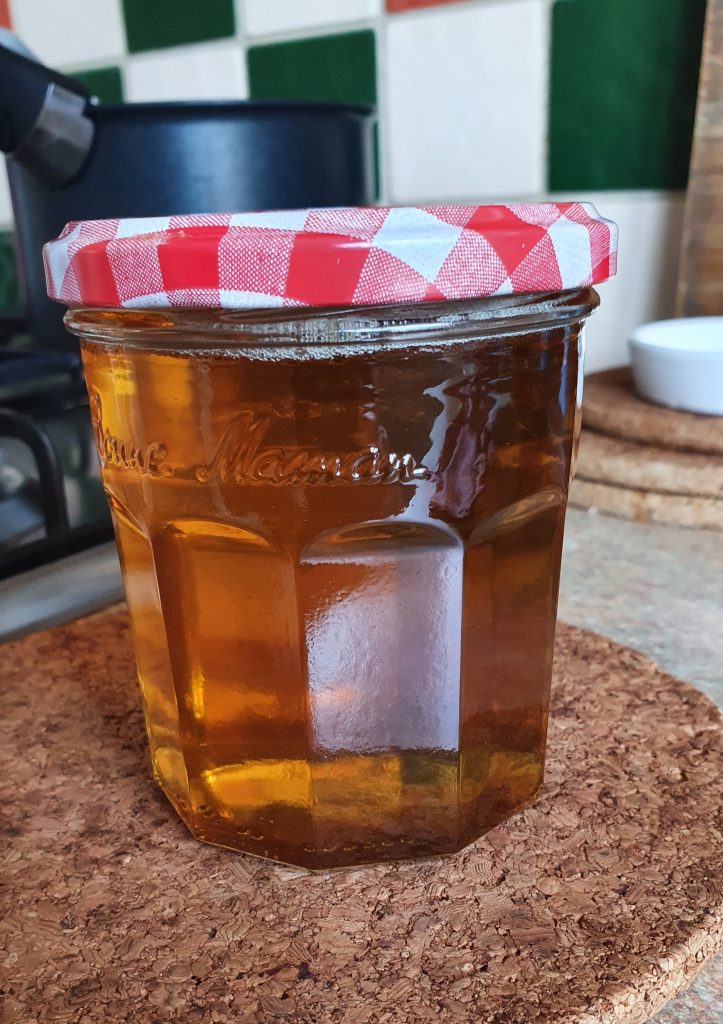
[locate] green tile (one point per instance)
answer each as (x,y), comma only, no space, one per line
(341,68)
(151,26)
(9,290)
(623,88)
(104,83)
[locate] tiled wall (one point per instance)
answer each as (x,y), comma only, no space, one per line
(478,99)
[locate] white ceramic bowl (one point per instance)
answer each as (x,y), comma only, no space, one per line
(680,363)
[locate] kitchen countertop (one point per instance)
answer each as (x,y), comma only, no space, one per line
(658,589)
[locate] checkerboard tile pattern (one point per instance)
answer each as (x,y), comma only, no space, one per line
(394,6)
(622,105)
(266,17)
(466,102)
(106,84)
(215,71)
(479,100)
(330,67)
(162,23)
(66,33)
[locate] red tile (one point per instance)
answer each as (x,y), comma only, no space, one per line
(394,6)
(5,14)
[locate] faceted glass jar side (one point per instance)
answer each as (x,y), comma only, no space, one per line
(340,536)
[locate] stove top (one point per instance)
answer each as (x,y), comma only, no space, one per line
(51,497)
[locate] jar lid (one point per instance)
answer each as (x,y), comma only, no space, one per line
(330,257)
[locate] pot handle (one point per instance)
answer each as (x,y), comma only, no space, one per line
(44,116)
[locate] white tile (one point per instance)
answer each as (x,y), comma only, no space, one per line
(466,101)
(6,211)
(644,288)
(203,72)
(63,32)
(267,16)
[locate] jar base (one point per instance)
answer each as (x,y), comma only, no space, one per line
(360,854)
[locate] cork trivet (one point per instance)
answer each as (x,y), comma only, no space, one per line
(596,904)
(648,506)
(611,406)
(626,464)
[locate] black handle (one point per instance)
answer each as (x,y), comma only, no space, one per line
(44,121)
(23,87)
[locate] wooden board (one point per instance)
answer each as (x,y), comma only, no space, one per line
(625,464)
(700,281)
(700,513)
(611,406)
(596,904)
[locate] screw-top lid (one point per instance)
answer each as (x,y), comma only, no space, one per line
(330,257)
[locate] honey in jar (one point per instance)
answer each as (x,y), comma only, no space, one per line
(340,513)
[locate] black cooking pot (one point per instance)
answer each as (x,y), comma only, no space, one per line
(69,159)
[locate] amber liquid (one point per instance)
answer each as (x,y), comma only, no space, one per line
(342,576)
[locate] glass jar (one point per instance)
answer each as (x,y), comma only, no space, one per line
(340,532)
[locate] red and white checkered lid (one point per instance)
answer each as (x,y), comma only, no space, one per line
(330,257)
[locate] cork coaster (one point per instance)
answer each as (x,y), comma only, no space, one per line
(611,406)
(607,460)
(596,904)
(703,513)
